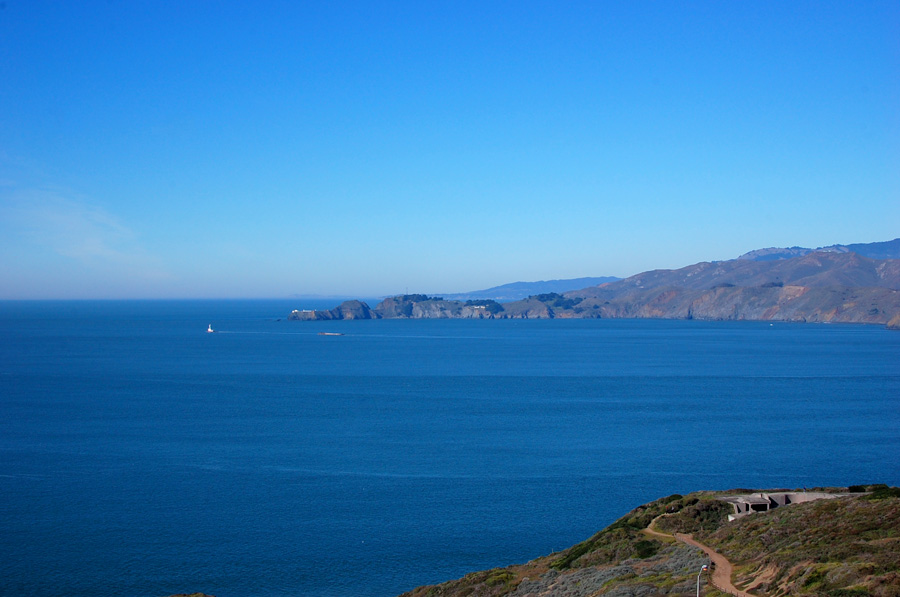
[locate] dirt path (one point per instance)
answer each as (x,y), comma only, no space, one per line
(652,532)
(722,569)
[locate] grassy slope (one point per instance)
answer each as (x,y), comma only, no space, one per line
(846,547)
(841,547)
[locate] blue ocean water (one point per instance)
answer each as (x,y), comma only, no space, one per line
(140,455)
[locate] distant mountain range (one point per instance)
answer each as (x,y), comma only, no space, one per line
(834,284)
(885,250)
(520,290)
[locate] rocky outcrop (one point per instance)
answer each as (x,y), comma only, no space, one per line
(530,308)
(894,323)
(418,306)
(346,310)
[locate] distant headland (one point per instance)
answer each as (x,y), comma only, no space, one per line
(837,284)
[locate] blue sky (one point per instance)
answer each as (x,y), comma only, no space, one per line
(223,149)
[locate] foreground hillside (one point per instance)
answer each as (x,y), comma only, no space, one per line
(826,287)
(847,546)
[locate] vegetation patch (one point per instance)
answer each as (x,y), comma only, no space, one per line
(646,549)
(556,301)
(883,492)
(846,543)
(489,305)
(621,540)
(694,514)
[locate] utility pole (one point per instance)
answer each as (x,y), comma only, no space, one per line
(702,570)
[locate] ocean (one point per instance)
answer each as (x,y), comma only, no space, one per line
(141,456)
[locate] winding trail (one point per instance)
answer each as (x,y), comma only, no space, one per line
(721,569)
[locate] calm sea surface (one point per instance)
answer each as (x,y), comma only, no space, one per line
(140,455)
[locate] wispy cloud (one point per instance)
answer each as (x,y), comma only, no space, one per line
(74,228)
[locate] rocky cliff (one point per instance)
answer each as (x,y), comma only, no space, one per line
(346,310)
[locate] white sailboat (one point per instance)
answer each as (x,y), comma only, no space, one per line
(209,330)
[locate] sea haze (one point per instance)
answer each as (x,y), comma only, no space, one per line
(140,455)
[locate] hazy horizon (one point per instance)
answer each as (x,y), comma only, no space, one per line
(153,150)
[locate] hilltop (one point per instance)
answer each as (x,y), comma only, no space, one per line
(846,546)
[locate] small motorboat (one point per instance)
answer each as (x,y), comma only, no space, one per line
(209,330)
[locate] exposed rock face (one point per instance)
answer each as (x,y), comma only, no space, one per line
(355,310)
(894,323)
(418,306)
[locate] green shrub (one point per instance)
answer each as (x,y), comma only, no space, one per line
(849,593)
(645,549)
(815,577)
(499,577)
(489,305)
(556,301)
(883,492)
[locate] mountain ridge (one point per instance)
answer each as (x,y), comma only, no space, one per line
(878,250)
